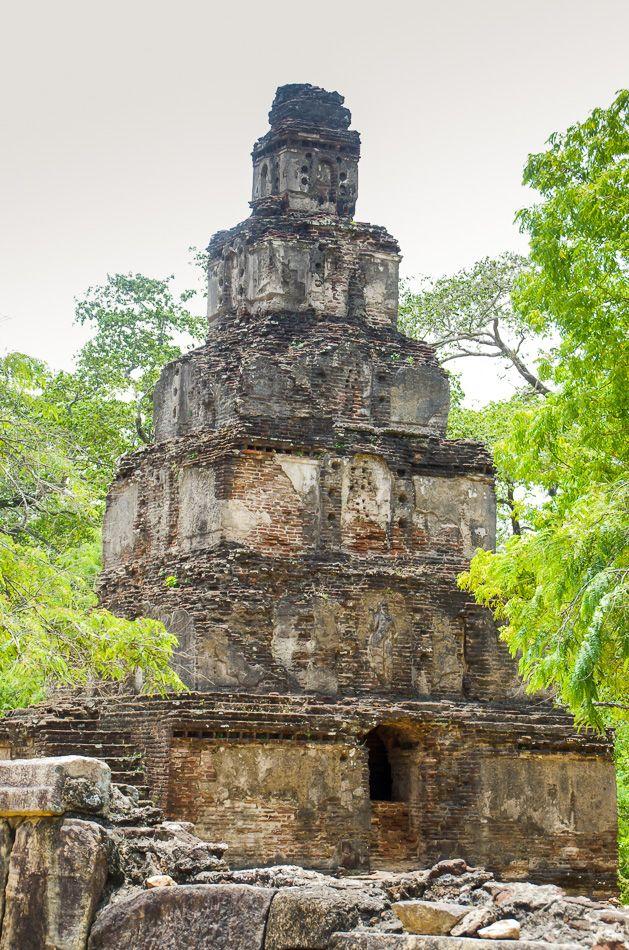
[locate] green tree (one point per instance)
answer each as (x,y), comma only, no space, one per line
(470,314)
(60,437)
(51,632)
(560,590)
(140,325)
(492,425)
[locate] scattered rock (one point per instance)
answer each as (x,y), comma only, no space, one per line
(523,894)
(508,929)
(278,875)
(609,940)
(426,917)
(473,921)
(401,887)
(456,866)
(125,808)
(167,848)
(460,888)
(160,880)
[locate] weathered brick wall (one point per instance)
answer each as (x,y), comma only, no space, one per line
(511,787)
(274,801)
(299,524)
(521,804)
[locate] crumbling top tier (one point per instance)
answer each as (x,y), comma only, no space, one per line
(308,160)
(309,105)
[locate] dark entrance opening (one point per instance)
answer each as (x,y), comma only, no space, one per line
(380,780)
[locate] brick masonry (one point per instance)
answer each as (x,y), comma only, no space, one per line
(299,523)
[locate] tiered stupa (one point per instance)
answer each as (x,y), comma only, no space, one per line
(300,523)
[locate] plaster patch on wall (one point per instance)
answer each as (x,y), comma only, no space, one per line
(119,524)
(239,520)
(555,794)
(305,643)
(459,508)
(302,472)
(199,511)
(420,397)
(222,663)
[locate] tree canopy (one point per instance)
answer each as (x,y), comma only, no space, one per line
(60,437)
(561,589)
(471,314)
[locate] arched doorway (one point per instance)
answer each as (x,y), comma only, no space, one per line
(380,777)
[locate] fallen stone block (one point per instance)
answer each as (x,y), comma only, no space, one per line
(53,787)
(508,929)
(220,916)
(428,917)
(304,918)
(57,872)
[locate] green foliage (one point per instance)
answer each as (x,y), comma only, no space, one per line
(60,437)
(44,496)
(493,425)
(622,782)
(51,633)
(140,325)
(560,591)
(561,588)
(470,314)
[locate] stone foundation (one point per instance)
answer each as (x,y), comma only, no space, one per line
(112,874)
(289,779)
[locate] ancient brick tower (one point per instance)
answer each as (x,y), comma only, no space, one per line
(301,494)
(300,523)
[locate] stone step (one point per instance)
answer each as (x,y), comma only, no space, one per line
(364,940)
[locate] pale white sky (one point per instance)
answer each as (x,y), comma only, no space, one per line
(127,128)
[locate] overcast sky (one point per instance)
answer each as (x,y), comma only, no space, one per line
(127,128)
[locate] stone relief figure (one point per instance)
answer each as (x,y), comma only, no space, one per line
(381,644)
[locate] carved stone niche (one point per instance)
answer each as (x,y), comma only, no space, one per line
(181,623)
(305,642)
(458,511)
(183,400)
(420,398)
(448,647)
(119,527)
(384,629)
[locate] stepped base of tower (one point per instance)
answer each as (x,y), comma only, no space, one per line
(350,785)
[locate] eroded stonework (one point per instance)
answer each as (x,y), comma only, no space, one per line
(299,524)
